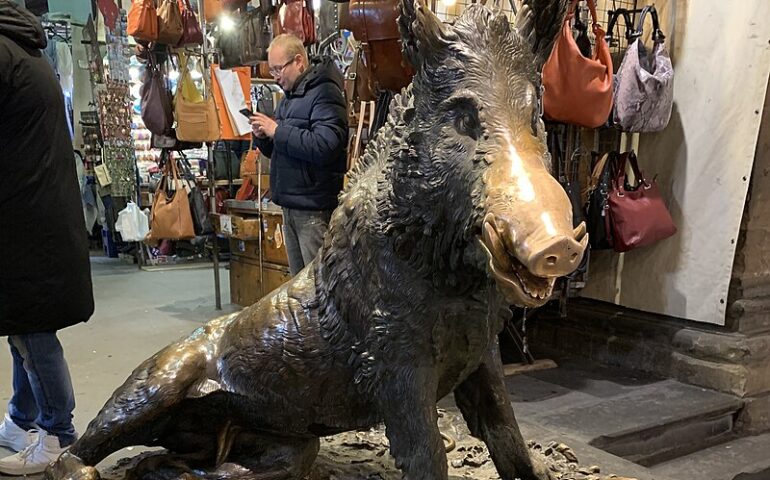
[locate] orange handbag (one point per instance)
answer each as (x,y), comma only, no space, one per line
(143,20)
(578,90)
(212,9)
(226,126)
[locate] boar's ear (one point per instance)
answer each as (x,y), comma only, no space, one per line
(539,23)
(423,35)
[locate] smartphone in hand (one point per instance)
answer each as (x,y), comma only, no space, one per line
(246,112)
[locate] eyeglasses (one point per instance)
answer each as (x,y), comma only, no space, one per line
(276,71)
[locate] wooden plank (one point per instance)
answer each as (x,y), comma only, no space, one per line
(520,368)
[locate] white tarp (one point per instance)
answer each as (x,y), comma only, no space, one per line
(704,160)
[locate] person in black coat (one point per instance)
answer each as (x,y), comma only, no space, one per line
(306,143)
(45,276)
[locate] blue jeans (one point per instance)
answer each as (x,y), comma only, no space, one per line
(304,232)
(42,387)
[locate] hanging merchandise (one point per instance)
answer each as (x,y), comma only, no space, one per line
(597,191)
(132,223)
(200,213)
(374,24)
(196,116)
(102,175)
(230,99)
(170,26)
(255,36)
(212,9)
(191,31)
(298,21)
(644,93)
(578,90)
(638,214)
(157,112)
(143,20)
(228,41)
(171,216)
(234,4)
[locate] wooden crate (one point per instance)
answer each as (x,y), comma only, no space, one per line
(244,228)
(273,244)
(245,286)
(273,276)
(245,248)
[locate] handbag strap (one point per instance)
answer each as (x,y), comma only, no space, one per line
(591,8)
(657,33)
(613,18)
(620,174)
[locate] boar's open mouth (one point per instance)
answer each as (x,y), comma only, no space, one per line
(518,285)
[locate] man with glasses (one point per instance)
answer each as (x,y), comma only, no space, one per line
(306,143)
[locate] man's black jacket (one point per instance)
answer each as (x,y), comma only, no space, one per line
(307,153)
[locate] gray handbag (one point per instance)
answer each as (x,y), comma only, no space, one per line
(644,84)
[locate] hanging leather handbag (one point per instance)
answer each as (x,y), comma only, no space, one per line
(644,93)
(373,23)
(170,26)
(196,116)
(597,192)
(143,20)
(298,21)
(157,112)
(255,37)
(191,32)
(578,90)
(638,215)
(230,47)
(234,4)
(171,217)
(212,9)
(200,211)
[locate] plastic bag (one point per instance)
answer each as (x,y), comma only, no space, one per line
(132,223)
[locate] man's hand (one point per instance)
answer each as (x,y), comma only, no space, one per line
(262,125)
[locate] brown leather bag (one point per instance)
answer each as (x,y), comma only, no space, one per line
(143,20)
(578,90)
(170,26)
(638,214)
(373,23)
(212,9)
(196,118)
(298,21)
(191,34)
(171,215)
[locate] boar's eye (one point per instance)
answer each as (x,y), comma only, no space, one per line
(468,124)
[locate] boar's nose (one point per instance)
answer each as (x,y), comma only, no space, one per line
(544,253)
(559,255)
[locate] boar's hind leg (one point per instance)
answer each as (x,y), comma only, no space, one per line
(408,406)
(484,403)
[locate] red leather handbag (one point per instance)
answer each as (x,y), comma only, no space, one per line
(298,21)
(191,30)
(578,90)
(637,215)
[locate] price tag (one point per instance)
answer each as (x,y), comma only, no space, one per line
(226,221)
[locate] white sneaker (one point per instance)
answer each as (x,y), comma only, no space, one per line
(13,436)
(35,458)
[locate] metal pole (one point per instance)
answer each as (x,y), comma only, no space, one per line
(210,166)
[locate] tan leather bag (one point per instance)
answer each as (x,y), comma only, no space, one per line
(143,20)
(578,90)
(170,24)
(196,118)
(171,215)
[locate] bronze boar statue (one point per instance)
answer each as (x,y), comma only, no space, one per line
(450,217)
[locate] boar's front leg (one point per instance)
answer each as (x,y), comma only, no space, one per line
(484,403)
(408,404)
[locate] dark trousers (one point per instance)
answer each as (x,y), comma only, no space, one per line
(304,232)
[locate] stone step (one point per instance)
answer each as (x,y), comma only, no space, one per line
(746,458)
(645,421)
